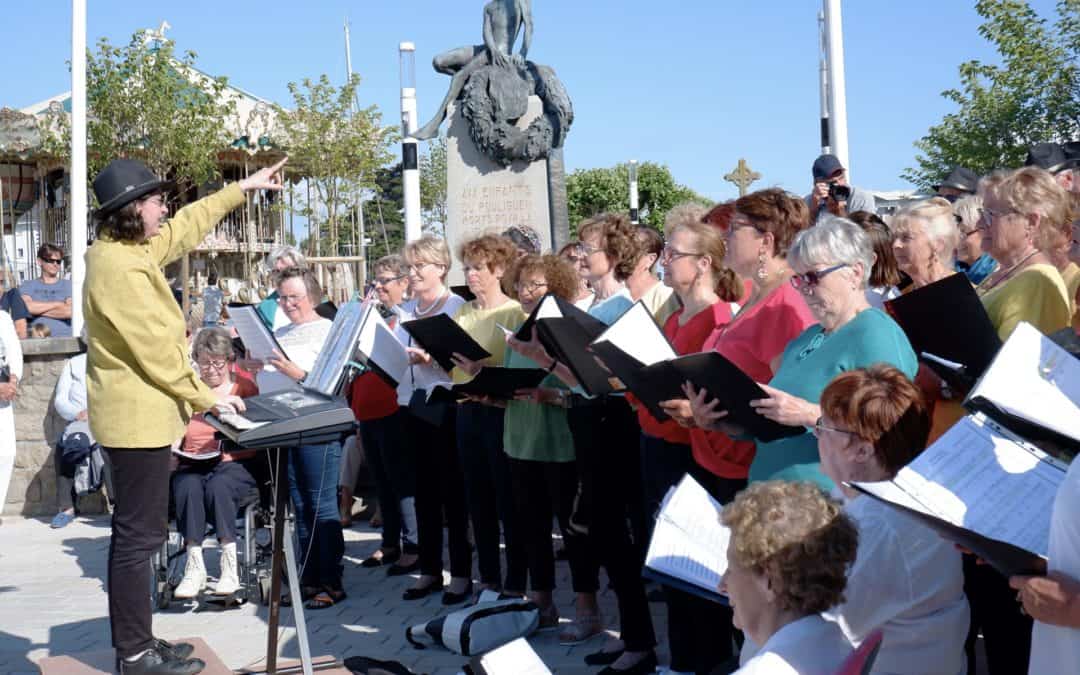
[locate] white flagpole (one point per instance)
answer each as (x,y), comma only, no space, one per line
(78,206)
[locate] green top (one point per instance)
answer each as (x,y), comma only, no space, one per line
(809,363)
(536,432)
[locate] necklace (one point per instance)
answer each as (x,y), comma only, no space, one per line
(435,303)
(983,287)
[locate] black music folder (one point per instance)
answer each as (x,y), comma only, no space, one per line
(493,381)
(553,307)
(441,337)
(983,487)
(734,389)
(567,341)
(948,328)
(650,384)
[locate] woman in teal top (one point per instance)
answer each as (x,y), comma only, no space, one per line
(832,263)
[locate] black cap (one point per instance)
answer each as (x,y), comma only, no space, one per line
(961,179)
(122,182)
(825,166)
(1072,153)
(1049,156)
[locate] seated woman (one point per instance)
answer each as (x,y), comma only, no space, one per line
(208,483)
(907,580)
(788,558)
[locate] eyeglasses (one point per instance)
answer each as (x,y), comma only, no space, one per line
(388,280)
(416,268)
(670,254)
(216,364)
(285,299)
(988,215)
(587,250)
(820,427)
(812,278)
(52,261)
(531,286)
(159,200)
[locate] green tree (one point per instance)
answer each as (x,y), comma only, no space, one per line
(1031,97)
(433,186)
(146,103)
(593,191)
(338,150)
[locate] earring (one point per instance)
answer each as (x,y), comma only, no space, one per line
(762,274)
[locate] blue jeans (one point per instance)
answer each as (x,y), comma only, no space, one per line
(313,479)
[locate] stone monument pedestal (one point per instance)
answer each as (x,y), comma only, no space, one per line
(484,196)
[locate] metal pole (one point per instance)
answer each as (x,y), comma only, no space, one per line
(633,192)
(834,35)
(77,207)
(823,72)
(410,166)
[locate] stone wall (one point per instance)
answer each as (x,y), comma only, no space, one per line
(37,425)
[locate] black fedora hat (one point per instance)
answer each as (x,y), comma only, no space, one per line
(1049,156)
(122,182)
(1072,153)
(960,178)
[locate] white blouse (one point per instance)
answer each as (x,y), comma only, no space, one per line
(421,376)
(909,582)
(809,646)
(302,343)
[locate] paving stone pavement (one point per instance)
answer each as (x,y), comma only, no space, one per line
(52,601)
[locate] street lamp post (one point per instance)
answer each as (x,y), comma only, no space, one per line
(410,166)
(634,192)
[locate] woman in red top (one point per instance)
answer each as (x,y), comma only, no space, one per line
(208,482)
(758,227)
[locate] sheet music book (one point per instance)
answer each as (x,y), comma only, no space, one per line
(1033,388)
(258,341)
(947,320)
(566,340)
(441,337)
(516,657)
(494,381)
(379,349)
(637,334)
(553,307)
(688,549)
(734,389)
(650,384)
(983,487)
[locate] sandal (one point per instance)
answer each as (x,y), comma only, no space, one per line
(582,629)
(325,598)
(382,556)
(306,593)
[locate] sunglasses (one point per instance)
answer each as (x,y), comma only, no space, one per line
(811,279)
(53,261)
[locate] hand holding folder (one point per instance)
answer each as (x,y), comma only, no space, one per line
(441,337)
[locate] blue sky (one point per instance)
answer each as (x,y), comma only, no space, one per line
(694,84)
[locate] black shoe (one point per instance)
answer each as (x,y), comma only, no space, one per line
(646,665)
(389,557)
(656,594)
(423,592)
(153,662)
(402,570)
(174,651)
(449,598)
(602,658)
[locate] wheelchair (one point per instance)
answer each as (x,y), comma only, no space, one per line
(253,549)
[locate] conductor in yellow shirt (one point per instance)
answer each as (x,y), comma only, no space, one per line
(141,388)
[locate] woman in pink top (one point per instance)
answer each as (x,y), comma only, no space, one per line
(760,226)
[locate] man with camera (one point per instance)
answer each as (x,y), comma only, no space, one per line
(832,194)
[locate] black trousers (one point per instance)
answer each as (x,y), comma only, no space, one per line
(606,442)
(488,494)
(393,464)
(663,464)
(139,527)
(209,489)
(996,613)
(543,491)
(699,630)
(440,489)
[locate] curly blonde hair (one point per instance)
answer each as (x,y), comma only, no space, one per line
(617,240)
(491,249)
(798,538)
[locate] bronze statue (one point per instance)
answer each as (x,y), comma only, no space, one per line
(494,86)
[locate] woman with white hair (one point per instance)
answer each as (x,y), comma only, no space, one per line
(831,263)
(975,263)
(282,257)
(924,239)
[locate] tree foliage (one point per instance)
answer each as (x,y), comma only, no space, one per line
(433,187)
(1032,96)
(338,149)
(593,191)
(146,103)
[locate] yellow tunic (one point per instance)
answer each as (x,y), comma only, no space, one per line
(482,326)
(141,388)
(1036,295)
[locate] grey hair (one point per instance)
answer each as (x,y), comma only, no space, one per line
(832,241)
(214,342)
(393,263)
(939,221)
(286,251)
(968,209)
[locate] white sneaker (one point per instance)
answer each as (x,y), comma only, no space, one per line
(229,582)
(194,575)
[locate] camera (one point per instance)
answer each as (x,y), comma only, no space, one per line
(839,193)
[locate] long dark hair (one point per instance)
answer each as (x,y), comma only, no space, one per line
(124,223)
